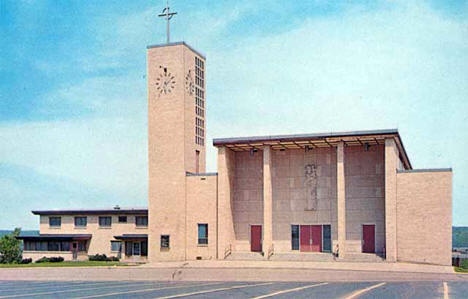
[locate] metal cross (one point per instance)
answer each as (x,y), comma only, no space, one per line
(168,15)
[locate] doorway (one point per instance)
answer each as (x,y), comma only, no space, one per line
(368,238)
(75,250)
(311,238)
(256,238)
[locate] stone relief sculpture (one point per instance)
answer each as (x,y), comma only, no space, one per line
(310,184)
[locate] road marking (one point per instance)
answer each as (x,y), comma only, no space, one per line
(61,284)
(362,291)
(446,292)
(150,290)
(215,290)
(290,290)
(72,290)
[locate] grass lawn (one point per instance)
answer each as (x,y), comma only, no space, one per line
(460,270)
(64,264)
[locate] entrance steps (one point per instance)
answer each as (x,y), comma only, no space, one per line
(303,257)
(245,256)
(363,257)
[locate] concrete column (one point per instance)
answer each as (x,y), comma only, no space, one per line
(391,164)
(267,246)
(341,198)
(225,222)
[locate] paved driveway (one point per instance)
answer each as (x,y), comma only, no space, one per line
(210,289)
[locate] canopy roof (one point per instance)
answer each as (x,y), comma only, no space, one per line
(315,140)
(131,236)
(56,237)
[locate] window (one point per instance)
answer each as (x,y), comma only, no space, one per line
(295,237)
(105,221)
(82,246)
(53,246)
(326,233)
(202,234)
(116,246)
(65,246)
(144,248)
(141,220)
(122,219)
(55,221)
(81,221)
(165,242)
(136,248)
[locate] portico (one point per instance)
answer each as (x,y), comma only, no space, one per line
(275,180)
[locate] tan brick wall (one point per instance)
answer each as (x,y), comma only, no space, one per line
(365,197)
(201,208)
(424,217)
(289,201)
(100,242)
(248,196)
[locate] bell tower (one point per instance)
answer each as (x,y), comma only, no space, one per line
(176,142)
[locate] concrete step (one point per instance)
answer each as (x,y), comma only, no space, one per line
(363,257)
(303,257)
(245,256)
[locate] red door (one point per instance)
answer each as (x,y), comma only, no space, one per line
(311,238)
(305,238)
(316,236)
(256,238)
(368,238)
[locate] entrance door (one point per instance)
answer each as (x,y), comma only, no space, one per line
(75,250)
(305,238)
(256,238)
(316,237)
(311,238)
(368,238)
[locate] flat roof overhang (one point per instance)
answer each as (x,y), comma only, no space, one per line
(315,140)
(132,237)
(56,237)
(132,211)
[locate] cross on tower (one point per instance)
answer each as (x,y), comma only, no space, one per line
(168,15)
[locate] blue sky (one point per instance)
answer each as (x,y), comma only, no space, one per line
(73,87)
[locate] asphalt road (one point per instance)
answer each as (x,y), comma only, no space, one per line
(178,289)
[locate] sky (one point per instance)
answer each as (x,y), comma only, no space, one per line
(73,102)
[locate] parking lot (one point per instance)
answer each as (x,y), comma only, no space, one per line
(147,289)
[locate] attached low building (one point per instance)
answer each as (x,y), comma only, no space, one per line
(76,234)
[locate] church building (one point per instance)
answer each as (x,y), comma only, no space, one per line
(350,196)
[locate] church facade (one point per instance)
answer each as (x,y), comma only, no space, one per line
(341,195)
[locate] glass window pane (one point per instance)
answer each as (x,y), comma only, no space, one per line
(144,248)
(295,237)
(122,219)
(203,234)
(326,238)
(141,220)
(165,241)
(81,221)
(116,246)
(136,248)
(128,248)
(105,221)
(55,221)
(65,246)
(82,246)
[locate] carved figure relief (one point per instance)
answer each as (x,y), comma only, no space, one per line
(310,184)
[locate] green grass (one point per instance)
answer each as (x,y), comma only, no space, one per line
(64,264)
(460,270)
